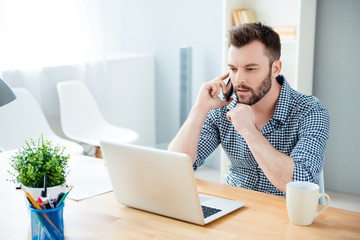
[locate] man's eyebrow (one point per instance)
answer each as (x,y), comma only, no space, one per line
(252,65)
(247,65)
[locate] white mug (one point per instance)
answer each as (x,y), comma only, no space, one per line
(302,200)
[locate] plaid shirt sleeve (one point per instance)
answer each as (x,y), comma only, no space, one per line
(209,139)
(309,152)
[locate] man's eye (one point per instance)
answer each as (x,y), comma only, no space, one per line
(251,69)
(232,69)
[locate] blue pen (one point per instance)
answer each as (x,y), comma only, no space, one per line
(63,198)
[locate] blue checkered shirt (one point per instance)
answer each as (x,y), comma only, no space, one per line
(299,128)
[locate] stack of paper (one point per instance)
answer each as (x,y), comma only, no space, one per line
(88,180)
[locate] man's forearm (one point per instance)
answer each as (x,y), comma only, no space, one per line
(277,166)
(186,140)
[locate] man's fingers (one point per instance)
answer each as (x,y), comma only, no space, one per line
(224,76)
(222,83)
(219,81)
(215,90)
(216,85)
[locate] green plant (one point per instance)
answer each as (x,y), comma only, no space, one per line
(35,159)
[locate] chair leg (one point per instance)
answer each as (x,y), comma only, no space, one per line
(98,153)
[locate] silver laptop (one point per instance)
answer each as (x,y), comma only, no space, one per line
(160,182)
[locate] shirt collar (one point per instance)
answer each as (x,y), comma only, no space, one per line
(233,103)
(283,103)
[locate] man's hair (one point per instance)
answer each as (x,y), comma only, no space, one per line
(246,33)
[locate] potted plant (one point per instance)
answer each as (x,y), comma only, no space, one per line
(37,158)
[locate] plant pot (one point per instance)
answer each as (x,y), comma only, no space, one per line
(52,192)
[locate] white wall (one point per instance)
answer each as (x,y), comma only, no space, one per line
(161,27)
(337,84)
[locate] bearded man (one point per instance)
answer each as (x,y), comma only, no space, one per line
(271,133)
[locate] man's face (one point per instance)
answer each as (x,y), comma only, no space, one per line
(250,72)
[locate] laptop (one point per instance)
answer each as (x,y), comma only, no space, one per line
(160,182)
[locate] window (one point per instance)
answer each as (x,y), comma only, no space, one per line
(40,33)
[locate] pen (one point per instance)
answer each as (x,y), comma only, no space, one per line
(32,205)
(59,197)
(41,203)
(63,198)
(46,203)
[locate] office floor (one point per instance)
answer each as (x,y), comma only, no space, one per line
(338,200)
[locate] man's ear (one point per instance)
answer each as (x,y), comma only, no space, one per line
(276,68)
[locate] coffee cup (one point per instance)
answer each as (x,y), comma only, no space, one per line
(302,201)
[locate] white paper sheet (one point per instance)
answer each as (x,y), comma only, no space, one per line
(88,180)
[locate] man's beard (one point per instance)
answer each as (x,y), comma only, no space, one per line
(255,95)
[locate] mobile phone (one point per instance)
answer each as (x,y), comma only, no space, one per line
(229,90)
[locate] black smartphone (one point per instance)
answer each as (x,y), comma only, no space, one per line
(229,90)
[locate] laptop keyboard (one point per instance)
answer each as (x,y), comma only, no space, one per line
(208,211)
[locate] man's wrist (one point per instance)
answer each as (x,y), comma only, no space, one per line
(248,133)
(200,109)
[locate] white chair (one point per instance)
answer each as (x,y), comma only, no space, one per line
(82,120)
(24,119)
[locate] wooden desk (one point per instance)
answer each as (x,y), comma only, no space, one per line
(263,217)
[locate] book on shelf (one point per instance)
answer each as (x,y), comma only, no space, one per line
(286,32)
(243,15)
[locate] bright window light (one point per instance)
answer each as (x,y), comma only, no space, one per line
(40,33)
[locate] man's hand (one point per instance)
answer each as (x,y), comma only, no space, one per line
(243,119)
(187,139)
(207,98)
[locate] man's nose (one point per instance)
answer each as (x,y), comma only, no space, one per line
(239,78)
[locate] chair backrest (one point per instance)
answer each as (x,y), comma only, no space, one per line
(24,119)
(79,111)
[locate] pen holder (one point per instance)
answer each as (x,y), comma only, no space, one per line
(47,223)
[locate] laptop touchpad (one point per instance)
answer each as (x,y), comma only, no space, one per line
(203,198)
